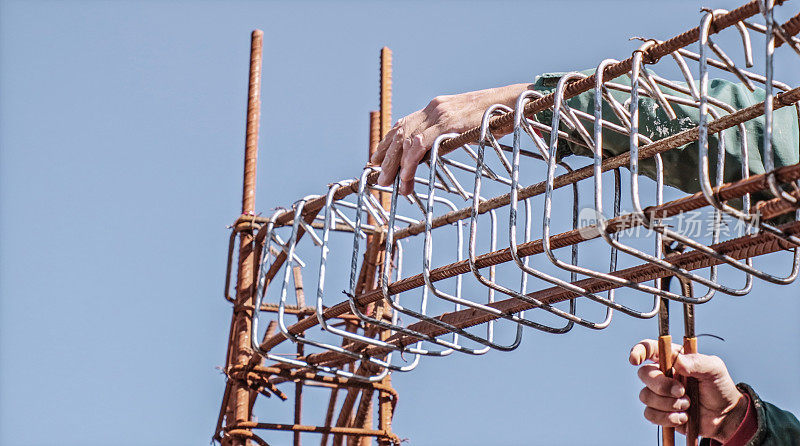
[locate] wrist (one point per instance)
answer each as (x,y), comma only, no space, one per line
(733,418)
(508,95)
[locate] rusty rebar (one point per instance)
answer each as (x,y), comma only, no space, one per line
(241,427)
(739,248)
(386,91)
(239,402)
(253,120)
(726,192)
(500,125)
(385,402)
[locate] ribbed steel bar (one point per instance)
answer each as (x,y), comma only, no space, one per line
(238,410)
(739,248)
(386,402)
(502,123)
(317,429)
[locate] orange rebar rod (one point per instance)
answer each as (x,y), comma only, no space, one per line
(739,248)
(240,395)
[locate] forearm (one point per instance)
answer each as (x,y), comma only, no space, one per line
(681,165)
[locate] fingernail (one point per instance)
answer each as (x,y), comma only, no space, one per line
(682,418)
(677,390)
(683,403)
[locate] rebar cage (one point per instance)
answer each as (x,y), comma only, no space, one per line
(483,249)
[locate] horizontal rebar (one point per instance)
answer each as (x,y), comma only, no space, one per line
(739,248)
(355,431)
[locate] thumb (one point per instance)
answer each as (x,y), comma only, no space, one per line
(699,366)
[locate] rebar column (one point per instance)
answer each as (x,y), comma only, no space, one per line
(384,398)
(239,403)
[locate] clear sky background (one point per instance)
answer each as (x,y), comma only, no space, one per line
(121,142)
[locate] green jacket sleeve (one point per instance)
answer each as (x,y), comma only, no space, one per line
(776,427)
(680,165)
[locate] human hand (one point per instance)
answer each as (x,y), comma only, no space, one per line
(412,136)
(722,405)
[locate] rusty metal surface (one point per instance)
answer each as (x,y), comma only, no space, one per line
(240,396)
(242,427)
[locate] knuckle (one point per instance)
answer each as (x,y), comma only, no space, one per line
(649,372)
(644,396)
(664,387)
(439,104)
(445,115)
(716,361)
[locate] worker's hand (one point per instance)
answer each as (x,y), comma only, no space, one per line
(412,136)
(722,405)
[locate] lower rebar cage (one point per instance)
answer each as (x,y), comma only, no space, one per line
(364,283)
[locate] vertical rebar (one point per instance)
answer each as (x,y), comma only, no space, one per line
(384,398)
(386,90)
(253,118)
(240,403)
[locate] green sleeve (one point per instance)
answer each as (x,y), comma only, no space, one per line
(776,427)
(680,165)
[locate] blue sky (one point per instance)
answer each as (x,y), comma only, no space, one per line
(121,142)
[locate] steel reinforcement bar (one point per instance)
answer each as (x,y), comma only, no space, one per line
(739,248)
(350,431)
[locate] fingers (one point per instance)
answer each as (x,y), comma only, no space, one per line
(647,349)
(413,154)
(663,403)
(659,383)
(644,350)
(700,366)
(664,397)
(391,160)
(383,145)
(407,125)
(666,419)
(413,151)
